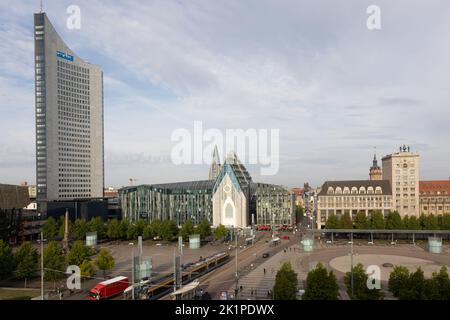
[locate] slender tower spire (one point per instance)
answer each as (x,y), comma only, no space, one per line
(42,6)
(375,169)
(214,170)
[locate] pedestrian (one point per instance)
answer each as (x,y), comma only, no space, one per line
(251,291)
(240,288)
(264,271)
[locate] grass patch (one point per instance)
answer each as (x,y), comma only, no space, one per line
(18,294)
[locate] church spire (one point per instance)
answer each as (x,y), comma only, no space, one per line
(214,170)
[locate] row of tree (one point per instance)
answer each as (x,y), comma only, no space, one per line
(122,229)
(321,284)
(393,221)
(24,262)
(413,286)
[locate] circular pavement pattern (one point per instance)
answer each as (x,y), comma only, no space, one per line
(342,263)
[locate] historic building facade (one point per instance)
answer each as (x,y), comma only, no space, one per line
(340,197)
(434,197)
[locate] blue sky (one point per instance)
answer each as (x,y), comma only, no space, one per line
(311,69)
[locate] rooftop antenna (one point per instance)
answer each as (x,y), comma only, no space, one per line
(41,5)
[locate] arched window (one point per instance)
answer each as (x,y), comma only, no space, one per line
(346,190)
(330,190)
(338,190)
(362,190)
(378,190)
(370,190)
(354,190)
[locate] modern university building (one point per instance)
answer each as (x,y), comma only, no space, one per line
(229,197)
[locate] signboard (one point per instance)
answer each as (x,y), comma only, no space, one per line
(64,56)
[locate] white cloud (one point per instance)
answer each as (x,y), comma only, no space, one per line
(311,69)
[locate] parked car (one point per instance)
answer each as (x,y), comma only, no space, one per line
(265,255)
(285,237)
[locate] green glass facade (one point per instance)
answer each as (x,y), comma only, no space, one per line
(175,201)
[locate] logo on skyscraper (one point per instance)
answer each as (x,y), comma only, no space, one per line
(64,56)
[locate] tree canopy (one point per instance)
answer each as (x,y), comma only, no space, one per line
(321,284)
(285,287)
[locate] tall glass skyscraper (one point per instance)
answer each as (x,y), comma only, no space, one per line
(69,120)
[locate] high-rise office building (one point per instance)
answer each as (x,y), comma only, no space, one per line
(69,120)
(402,170)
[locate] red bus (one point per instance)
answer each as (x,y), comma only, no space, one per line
(109,288)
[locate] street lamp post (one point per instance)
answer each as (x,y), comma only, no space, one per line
(42,265)
(351,263)
(132,270)
(237,276)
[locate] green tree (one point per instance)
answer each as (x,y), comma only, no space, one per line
(187,229)
(140,226)
(394,221)
(442,283)
(50,228)
(26,259)
(377,220)
(413,223)
(360,289)
(54,262)
(169,230)
(321,284)
(6,260)
(105,261)
(332,222)
(346,221)
(220,232)
(361,221)
(398,280)
(204,228)
(285,287)
(132,231)
(87,268)
(415,289)
(405,222)
(78,253)
(422,222)
(431,222)
(97,225)
(124,225)
(155,227)
(113,229)
(445,224)
(79,229)
(147,233)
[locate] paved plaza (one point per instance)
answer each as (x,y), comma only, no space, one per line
(259,281)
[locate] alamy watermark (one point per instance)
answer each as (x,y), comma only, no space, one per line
(374,19)
(74,19)
(252,146)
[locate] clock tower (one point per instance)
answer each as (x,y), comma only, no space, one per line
(375,170)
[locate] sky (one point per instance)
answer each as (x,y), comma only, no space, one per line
(334,89)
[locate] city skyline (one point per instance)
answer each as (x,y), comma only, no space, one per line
(315,84)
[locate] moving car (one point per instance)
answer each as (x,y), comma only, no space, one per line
(265,255)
